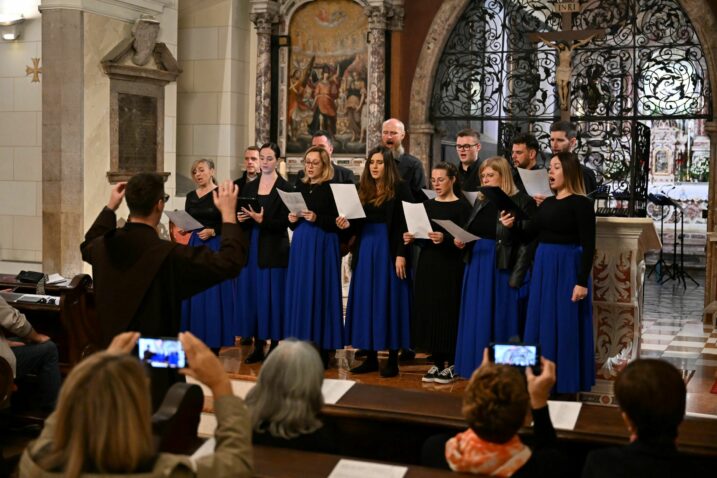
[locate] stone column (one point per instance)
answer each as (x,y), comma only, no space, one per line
(421,135)
(264,23)
(376,100)
(711,273)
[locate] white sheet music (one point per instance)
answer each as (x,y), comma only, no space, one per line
(417,220)
(363,469)
(347,201)
(430,193)
(294,201)
(456,231)
(564,415)
(183,220)
(535,182)
(471,196)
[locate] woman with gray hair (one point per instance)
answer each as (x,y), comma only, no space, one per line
(285,403)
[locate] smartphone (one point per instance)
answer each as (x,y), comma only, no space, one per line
(517,355)
(161,352)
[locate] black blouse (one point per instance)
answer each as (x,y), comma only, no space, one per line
(203,210)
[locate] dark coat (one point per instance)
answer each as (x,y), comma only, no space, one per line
(470,180)
(140,279)
(410,168)
(273,235)
(510,252)
(395,223)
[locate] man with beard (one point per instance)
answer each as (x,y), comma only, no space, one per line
(409,167)
(524,154)
(564,138)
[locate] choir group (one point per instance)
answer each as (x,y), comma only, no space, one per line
(526,278)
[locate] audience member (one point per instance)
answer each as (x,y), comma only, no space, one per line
(35,354)
(496,404)
(651,395)
(468,147)
(284,404)
(103,426)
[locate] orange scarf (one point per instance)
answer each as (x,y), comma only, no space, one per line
(467,452)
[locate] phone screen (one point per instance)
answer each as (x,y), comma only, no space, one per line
(161,352)
(517,355)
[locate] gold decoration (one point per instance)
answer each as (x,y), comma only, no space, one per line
(35,70)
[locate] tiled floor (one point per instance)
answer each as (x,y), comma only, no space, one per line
(672,329)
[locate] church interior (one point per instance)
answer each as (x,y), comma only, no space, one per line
(94,91)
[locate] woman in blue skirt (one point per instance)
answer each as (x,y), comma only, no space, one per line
(210,314)
(494,281)
(378,314)
(560,304)
(261,285)
(313,282)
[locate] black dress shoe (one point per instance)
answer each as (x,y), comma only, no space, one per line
(255,357)
(390,370)
(407,355)
(366,367)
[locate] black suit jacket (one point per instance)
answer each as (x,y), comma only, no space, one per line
(411,171)
(638,460)
(273,235)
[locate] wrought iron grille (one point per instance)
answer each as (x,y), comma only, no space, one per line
(649,65)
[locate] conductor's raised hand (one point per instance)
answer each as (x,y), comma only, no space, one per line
(204,365)
(342,222)
(225,199)
(116,195)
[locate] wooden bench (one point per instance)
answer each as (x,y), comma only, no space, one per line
(72,324)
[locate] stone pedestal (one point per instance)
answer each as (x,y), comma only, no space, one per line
(618,274)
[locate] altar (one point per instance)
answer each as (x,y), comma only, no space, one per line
(618,275)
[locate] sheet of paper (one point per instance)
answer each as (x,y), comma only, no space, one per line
(456,231)
(57,279)
(362,469)
(183,220)
(347,201)
(207,448)
(471,196)
(564,415)
(417,220)
(294,201)
(430,193)
(333,389)
(535,181)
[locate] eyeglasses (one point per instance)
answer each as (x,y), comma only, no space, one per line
(465,147)
(312,163)
(165,198)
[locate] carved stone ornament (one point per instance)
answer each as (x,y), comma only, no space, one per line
(139,68)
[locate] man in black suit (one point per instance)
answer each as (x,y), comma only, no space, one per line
(564,138)
(251,168)
(409,167)
(524,153)
(341,175)
(651,394)
(468,147)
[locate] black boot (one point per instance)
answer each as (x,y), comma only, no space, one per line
(257,354)
(325,358)
(391,368)
(369,365)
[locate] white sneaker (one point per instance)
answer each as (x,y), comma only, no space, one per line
(431,374)
(447,375)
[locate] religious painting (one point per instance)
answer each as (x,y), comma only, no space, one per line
(328,76)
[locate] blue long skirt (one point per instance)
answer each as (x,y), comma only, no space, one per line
(210,314)
(490,308)
(313,288)
(259,309)
(378,313)
(564,329)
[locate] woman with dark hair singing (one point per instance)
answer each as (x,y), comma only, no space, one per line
(378,313)
(560,307)
(261,284)
(438,277)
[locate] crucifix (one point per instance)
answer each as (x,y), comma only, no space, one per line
(565,41)
(35,70)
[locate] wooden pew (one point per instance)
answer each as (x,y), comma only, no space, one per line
(280,462)
(72,324)
(396,422)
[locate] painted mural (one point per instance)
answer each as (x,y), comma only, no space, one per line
(327,76)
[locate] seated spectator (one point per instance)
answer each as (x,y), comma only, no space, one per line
(496,404)
(35,355)
(651,395)
(285,402)
(103,426)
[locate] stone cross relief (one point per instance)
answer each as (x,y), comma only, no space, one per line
(565,42)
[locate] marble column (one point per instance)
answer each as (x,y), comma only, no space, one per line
(376,100)
(421,135)
(264,24)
